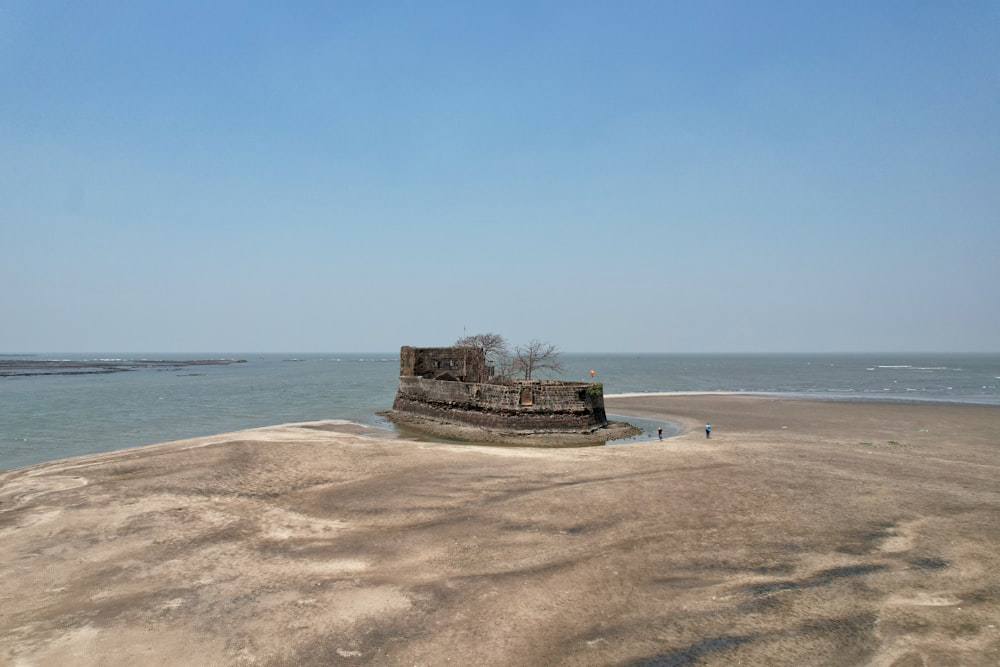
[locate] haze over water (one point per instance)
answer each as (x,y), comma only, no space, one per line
(49,417)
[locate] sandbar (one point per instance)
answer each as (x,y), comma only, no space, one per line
(801,533)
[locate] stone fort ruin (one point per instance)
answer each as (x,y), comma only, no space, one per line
(457,385)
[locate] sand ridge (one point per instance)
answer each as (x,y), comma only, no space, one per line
(801,533)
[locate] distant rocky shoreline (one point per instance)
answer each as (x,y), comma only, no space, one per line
(36,367)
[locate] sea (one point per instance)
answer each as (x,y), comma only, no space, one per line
(54,406)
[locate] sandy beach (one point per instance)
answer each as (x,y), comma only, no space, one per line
(801,533)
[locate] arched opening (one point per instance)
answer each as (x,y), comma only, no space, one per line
(527,397)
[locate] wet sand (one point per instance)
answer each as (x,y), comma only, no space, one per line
(802,533)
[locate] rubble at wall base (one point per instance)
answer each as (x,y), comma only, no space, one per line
(425,425)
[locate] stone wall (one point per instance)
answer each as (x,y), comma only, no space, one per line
(522,405)
(462,364)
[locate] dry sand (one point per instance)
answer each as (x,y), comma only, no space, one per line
(802,533)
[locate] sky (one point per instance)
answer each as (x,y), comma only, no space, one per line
(674,177)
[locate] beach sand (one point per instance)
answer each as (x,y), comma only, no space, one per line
(802,533)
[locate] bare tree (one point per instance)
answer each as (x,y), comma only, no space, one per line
(494,348)
(536,356)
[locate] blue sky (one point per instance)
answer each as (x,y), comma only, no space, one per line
(608,177)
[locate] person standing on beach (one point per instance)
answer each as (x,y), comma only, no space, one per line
(708,430)
(659,432)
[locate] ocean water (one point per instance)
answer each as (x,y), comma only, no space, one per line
(52,416)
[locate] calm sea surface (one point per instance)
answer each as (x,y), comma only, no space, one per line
(46,417)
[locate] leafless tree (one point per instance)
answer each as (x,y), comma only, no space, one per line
(493,347)
(536,356)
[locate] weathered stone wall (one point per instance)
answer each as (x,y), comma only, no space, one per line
(525,405)
(465,364)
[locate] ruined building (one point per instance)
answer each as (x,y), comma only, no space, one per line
(456,384)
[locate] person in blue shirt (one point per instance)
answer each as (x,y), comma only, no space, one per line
(708,430)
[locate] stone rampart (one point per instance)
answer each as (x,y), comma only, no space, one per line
(536,405)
